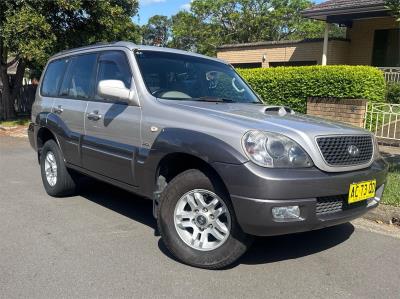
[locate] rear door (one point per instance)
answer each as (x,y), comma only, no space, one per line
(70,106)
(112,128)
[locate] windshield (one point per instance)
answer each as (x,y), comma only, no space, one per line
(184,77)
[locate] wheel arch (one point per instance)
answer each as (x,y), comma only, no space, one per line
(176,150)
(174,164)
(43,135)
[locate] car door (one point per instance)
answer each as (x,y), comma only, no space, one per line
(70,106)
(112,128)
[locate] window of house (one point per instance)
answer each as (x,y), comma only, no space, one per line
(245,65)
(292,63)
(386,51)
(53,77)
(78,80)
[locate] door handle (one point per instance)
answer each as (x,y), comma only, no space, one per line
(58,110)
(94,115)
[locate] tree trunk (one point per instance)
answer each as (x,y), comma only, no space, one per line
(11,88)
(16,86)
(5,95)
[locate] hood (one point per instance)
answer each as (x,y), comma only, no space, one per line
(269,118)
(230,121)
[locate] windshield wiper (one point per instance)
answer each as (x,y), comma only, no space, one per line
(214,99)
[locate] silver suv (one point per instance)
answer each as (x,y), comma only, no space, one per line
(187,132)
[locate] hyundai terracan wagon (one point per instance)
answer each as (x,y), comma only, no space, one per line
(187,132)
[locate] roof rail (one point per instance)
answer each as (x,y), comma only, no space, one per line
(94,45)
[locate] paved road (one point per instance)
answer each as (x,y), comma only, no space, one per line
(102,244)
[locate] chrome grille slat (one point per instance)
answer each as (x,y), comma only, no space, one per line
(330,204)
(334,149)
(334,204)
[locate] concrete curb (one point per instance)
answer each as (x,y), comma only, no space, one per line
(384,214)
(3,128)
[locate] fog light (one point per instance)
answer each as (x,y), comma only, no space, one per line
(289,212)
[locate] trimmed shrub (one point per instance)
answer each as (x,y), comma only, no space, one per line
(291,86)
(393,92)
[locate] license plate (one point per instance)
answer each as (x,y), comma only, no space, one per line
(361,191)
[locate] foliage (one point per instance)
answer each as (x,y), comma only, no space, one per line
(393,92)
(394,6)
(391,195)
(17,122)
(291,86)
(211,23)
(156,31)
(32,30)
(192,34)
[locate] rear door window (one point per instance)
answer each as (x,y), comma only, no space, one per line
(79,79)
(52,78)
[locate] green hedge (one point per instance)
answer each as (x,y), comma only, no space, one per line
(393,92)
(291,86)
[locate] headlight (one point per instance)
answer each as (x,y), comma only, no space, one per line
(377,154)
(274,150)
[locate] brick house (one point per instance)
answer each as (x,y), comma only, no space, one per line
(372,38)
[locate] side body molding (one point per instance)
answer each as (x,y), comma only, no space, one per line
(174,141)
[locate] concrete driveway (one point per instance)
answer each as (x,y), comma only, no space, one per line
(101,243)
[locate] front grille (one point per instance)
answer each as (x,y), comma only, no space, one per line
(333,204)
(336,149)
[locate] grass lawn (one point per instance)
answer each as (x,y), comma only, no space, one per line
(391,195)
(16,122)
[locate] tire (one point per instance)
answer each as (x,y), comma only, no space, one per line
(65,181)
(219,254)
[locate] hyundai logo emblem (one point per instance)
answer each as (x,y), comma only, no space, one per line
(353,150)
(201,220)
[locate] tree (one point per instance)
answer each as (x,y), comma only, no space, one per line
(156,31)
(210,23)
(31,30)
(192,34)
(394,6)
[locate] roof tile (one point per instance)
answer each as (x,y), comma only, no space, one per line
(343,4)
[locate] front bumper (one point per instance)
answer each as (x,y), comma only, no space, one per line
(255,191)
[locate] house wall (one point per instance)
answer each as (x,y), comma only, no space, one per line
(338,52)
(361,35)
(302,51)
(296,52)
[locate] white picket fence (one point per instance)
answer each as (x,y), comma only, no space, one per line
(383,120)
(392,74)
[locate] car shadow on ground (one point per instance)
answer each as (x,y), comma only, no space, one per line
(264,249)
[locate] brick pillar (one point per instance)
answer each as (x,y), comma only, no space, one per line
(349,111)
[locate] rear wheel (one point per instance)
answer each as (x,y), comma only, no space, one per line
(57,180)
(197,222)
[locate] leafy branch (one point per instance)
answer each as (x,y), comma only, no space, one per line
(394,6)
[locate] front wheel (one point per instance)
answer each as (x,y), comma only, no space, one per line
(197,222)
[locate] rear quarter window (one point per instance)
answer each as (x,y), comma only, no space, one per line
(52,78)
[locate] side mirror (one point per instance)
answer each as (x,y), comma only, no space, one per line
(115,90)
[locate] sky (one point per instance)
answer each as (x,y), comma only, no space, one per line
(148,8)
